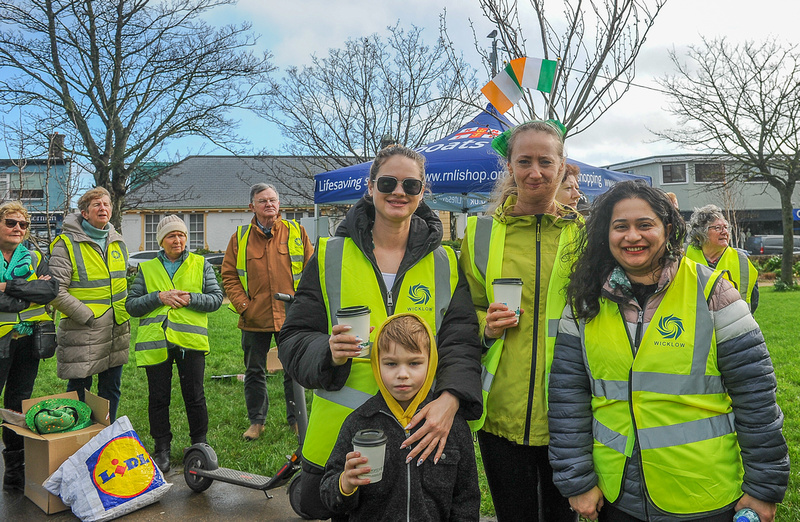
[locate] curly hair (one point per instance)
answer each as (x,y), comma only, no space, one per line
(505,185)
(699,222)
(15,207)
(596,261)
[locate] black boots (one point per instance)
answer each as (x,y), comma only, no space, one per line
(161,457)
(14,477)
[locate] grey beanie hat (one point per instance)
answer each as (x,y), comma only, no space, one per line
(171,223)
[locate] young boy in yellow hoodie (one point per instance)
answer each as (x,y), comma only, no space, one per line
(404,361)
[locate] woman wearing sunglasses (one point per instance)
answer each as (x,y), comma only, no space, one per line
(25,287)
(386,255)
(528,235)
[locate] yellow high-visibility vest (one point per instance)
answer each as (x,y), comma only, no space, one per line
(34,313)
(742,272)
(183,327)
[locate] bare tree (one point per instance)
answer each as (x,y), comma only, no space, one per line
(343,105)
(128,75)
(595,41)
(743,102)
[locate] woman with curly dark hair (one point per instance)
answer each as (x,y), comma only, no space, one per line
(662,391)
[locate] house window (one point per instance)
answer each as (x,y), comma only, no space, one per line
(673,173)
(150,225)
(709,173)
(17,194)
(4,182)
(293,215)
(196,232)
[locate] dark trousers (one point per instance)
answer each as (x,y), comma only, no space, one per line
(310,501)
(255,346)
(17,375)
(107,387)
(521,482)
(191,368)
(609,513)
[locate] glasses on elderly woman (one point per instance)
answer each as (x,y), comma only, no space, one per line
(718,228)
(11,223)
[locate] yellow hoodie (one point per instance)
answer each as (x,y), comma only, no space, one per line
(404,416)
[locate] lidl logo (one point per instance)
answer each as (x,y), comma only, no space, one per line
(419,294)
(670,327)
(121,469)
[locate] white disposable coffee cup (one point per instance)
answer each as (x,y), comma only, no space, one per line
(371,443)
(357,318)
(508,291)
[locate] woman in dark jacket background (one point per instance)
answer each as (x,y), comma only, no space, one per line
(24,281)
(394,233)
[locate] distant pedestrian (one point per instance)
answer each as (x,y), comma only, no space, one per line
(263,258)
(90,261)
(569,193)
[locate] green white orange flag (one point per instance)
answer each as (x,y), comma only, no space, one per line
(505,89)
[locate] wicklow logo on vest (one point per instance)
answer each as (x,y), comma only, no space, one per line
(670,327)
(115,254)
(419,294)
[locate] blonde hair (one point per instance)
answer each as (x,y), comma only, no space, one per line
(406,331)
(505,185)
(15,207)
(90,195)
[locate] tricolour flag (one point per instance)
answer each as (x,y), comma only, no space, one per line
(535,73)
(504,90)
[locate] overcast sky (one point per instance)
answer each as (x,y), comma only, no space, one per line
(295,29)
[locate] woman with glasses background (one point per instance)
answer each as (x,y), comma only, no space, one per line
(709,238)
(25,285)
(386,255)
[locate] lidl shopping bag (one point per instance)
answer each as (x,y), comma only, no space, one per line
(111,475)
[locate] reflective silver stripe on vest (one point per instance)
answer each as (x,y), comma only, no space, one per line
(240,273)
(8,317)
(80,265)
(441,278)
(669,384)
(151,345)
(744,274)
(334,252)
(686,432)
(117,274)
(486,379)
(608,437)
(347,397)
(27,314)
(118,297)
(186,328)
(483,236)
(144,321)
(97,283)
(296,277)
(611,390)
(552,327)
(296,259)
(96,301)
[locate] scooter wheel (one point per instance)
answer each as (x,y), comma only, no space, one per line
(196,460)
(294,497)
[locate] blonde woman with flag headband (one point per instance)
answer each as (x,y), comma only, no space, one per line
(527,235)
(662,392)
(25,287)
(386,255)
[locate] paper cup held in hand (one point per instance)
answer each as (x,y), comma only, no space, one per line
(357,317)
(508,290)
(371,443)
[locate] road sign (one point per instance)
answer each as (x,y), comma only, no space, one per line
(796,214)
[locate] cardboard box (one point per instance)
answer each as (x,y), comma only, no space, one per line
(273,363)
(45,453)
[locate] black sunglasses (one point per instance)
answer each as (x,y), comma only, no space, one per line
(11,223)
(387,184)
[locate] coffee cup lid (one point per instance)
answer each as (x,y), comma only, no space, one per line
(352,311)
(369,437)
(507,281)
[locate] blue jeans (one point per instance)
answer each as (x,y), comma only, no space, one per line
(107,388)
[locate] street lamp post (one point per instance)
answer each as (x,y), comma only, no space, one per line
(493,54)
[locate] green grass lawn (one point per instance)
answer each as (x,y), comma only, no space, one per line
(776,314)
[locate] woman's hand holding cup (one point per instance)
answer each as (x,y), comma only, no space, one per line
(499,318)
(343,344)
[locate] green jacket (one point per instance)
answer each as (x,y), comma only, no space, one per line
(511,411)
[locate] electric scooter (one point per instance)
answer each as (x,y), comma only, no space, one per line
(201,466)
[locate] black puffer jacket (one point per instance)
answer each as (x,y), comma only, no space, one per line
(444,491)
(303,341)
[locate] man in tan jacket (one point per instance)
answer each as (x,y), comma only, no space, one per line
(263,258)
